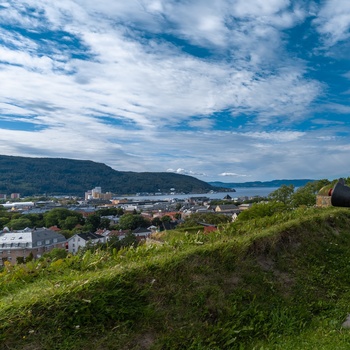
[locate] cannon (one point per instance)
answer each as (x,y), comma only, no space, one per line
(340,194)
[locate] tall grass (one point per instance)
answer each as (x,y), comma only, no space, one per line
(276,282)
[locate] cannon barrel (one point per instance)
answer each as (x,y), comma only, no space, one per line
(340,194)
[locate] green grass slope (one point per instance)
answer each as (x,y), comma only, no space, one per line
(270,283)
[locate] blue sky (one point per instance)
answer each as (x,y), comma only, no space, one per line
(223,90)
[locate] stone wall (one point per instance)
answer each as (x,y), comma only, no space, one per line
(323,201)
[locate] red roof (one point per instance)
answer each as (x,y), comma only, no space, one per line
(54,228)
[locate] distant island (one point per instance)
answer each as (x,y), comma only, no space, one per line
(60,176)
(273,183)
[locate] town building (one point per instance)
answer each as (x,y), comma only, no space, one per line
(96,193)
(18,205)
(18,245)
(81,240)
(141,233)
(226,208)
(245,206)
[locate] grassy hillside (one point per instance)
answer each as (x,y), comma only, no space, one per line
(30,176)
(278,282)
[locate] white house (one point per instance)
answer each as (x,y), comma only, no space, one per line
(80,240)
(142,233)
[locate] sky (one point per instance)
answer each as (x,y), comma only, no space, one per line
(222,90)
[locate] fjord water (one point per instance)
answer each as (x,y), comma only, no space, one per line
(240,192)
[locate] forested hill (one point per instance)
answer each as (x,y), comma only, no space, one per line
(29,176)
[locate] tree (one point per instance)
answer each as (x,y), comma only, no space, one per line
(35,219)
(20,259)
(4,222)
(30,257)
(105,223)
(306,195)
(69,233)
(93,221)
(57,216)
(177,216)
(129,240)
(165,218)
(19,224)
(132,221)
(56,253)
(113,243)
(282,194)
(156,221)
(15,215)
(69,223)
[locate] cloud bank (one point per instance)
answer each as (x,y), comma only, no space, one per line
(217,88)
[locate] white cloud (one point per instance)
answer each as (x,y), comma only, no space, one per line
(257,8)
(114,90)
(347,75)
(333,21)
(185,172)
(203,123)
(206,155)
(279,136)
(155,76)
(232,174)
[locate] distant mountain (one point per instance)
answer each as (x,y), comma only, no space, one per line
(53,176)
(273,183)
